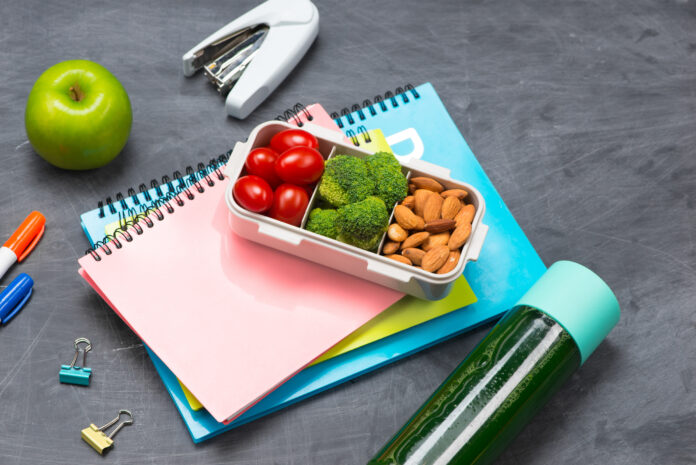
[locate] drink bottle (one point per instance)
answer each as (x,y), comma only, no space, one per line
(511,374)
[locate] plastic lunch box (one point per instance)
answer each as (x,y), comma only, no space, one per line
(334,254)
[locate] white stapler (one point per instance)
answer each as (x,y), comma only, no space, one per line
(249,57)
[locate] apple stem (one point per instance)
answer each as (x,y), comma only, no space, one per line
(76,93)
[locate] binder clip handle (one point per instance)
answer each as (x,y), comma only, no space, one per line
(120,425)
(87,348)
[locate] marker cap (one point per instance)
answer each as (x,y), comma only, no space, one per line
(13,298)
(25,238)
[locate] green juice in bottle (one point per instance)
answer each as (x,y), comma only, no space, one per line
(511,374)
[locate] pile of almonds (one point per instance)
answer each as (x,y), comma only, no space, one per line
(432,224)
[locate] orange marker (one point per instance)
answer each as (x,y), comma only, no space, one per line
(22,242)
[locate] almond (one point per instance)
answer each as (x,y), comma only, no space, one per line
(435,258)
(414,240)
(409,201)
(451,263)
(390,247)
(422,182)
(465,215)
(459,236)
(396,233)
(412,188)
(413,254)
(458,193)
(439,226)
(450,207)
(435,239)
(419,198)
(399,258)
(432,209)
(407,219)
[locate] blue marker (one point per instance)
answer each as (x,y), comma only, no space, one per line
(13,298)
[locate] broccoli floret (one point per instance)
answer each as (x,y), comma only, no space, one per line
(380,160)
(345,180)
(323,222)
(392,186)
(362,223)
(390,183)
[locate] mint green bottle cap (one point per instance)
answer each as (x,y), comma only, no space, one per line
(578,300)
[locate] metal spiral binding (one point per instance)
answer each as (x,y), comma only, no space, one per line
(355,137)
(193,180)
(295,114)
(175,183)
(368,106)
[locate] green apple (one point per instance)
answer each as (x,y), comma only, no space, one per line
(78,115)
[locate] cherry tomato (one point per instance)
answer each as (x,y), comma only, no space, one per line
(293,138)
(253,193)
(261,162)
(300,165)
(289,204)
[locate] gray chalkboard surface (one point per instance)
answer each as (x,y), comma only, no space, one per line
(583,114)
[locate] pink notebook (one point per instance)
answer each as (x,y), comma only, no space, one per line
(232,319)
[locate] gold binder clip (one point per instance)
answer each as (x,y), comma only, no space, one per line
(96,437)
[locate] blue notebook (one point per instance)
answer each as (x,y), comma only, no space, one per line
(416,124)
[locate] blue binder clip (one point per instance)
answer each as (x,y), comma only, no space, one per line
(72,374)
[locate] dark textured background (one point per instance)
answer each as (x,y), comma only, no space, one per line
(583,113)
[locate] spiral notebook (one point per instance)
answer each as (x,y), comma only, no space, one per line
(260,316)
(402,315)
(408,128)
